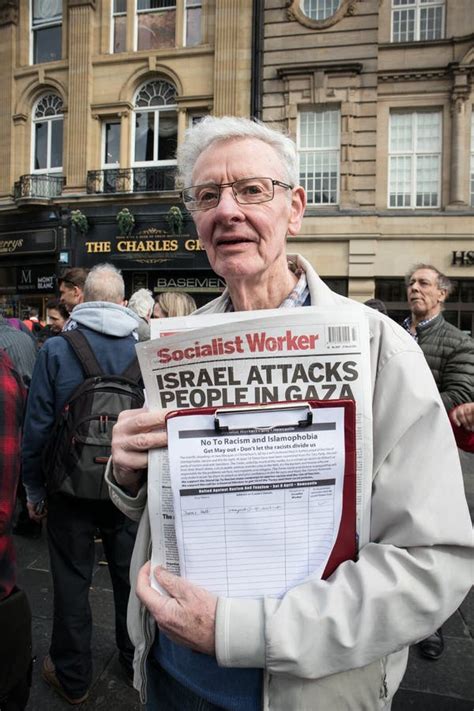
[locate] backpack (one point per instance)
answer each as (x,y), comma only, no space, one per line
(79,447)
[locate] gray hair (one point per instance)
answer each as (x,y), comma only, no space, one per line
(104,283)
(443,281)
(212,129)
(142,302)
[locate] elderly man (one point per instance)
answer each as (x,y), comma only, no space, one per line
(450,356)
(336,644)
(142,303)
(73,520)
(449,352)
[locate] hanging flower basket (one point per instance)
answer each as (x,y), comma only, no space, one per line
(125,221)
(175,220)
(80,222)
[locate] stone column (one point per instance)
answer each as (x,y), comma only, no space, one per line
(458,192)
(8,28)
(232,59)
(80,73)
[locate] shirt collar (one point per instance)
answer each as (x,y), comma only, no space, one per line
(407,325)
(297,296)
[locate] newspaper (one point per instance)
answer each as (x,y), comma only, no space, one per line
(255,358)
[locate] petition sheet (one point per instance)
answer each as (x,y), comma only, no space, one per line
(256,358)
(256,512)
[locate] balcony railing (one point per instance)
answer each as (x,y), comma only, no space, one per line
(131,180)
(38,186)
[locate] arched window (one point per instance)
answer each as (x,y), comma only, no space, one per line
(48,135)
(156,124)
(319,9)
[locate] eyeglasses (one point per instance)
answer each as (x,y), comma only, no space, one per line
(247,191)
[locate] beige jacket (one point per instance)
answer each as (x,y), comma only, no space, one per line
(342,644)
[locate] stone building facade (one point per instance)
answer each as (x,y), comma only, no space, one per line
(96,94)
(379,96)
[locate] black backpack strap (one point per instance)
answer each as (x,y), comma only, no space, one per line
(132,371)
(85,354)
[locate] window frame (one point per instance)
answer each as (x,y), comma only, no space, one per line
(49,120)
(153,11)
(322,108)
(197,4)
(156,162)
(414,154)
(418,6)
(113,15)
(116,121)
(57,21)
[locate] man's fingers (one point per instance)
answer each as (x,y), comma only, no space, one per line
(175,586)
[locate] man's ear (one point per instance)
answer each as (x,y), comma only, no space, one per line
(298,206)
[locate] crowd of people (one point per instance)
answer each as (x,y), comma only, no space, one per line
(337,644)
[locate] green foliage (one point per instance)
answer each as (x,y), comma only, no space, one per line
(80,222)
(175,220)
(125,221)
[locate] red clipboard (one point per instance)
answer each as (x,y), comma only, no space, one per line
(345,547)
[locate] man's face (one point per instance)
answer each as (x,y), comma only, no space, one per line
(424,296)
(55,320)
(246,241)
(70,295)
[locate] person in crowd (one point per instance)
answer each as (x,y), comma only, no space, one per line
(142,303)
(340,643)
(57,315)
(18,324)
(15,615)
(72,522)
(377,304)
(71,287)
(33,322)
(449,352)
(173,303)
(20,347)
(450,356)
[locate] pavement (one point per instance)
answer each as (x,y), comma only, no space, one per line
(443,685)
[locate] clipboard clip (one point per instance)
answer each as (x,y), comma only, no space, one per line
(289,414)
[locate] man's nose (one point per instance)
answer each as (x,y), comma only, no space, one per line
(228,205)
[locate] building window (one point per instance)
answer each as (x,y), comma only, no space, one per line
(46,25)
(156,23)
(472,159)
(111,144)
(195,117)
(192,33)
(415,159)
(119,26)
(48,135)
(414,20)
(318,150)
(156,124)
(319,9)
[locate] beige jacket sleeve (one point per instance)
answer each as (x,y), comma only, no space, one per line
(412,575)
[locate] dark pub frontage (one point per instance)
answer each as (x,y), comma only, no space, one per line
(38,246)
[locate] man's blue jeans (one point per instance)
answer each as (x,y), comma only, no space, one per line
(164,693)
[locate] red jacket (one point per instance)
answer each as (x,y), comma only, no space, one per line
(12,403)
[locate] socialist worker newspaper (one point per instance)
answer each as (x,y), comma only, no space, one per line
(249,358)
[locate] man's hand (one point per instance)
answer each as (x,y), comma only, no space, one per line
(135,433)
(32,512)
(187,616)
(463,416)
